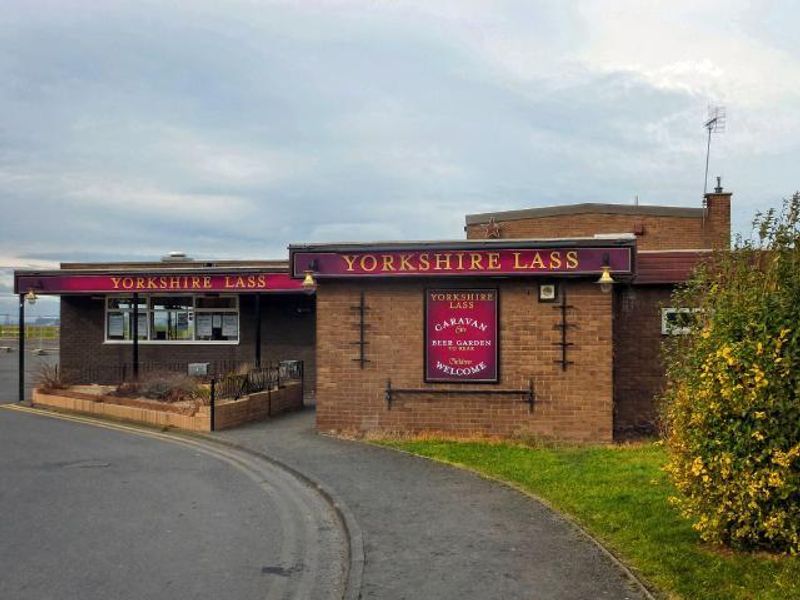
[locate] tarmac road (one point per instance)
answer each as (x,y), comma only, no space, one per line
(9,366)
(97,513)
(92,513)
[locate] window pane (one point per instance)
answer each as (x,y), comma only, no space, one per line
(171,318)
(217,326)
(170,325)
(115,326)
(119,325)
(678,321)
(216,302)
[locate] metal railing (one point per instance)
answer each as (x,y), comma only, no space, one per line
(232,375)
(528,395)
(237,385)
(34,332)
(262,379)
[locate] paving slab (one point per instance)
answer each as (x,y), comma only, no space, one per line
(432,531)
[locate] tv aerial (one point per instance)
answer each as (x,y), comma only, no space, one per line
(715,123)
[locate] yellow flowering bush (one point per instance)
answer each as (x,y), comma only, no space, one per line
(731,407)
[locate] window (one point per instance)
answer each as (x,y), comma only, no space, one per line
(119,318)
(179,319)
(678,321)
(171,318)
(216,318)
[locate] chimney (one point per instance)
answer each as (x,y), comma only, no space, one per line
(717,227)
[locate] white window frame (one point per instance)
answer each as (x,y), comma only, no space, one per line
(148,311)
(234,310)
(667,329)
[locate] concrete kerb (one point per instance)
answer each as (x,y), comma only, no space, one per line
(353,533)
(577,527)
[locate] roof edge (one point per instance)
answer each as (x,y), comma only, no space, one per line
(586,207)
(623,241)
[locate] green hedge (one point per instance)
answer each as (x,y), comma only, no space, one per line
(732,403)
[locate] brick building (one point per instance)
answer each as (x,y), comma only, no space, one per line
(669,243)
(506,332)
(229,314)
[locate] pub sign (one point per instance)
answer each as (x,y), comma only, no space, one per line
(461,342)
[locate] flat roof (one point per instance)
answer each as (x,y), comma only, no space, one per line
(668,266)
(586,207)
(176,265)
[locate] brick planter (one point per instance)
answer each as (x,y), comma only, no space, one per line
(259,406)
(229,413)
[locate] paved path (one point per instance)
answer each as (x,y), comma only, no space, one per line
(434,532)
(99,513)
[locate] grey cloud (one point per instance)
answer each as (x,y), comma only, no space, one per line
(235,129)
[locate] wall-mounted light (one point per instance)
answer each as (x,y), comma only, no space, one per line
(309,283)
(31,297)
(606,281)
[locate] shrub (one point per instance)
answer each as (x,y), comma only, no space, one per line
(167,387)
(49,378)
(732,400)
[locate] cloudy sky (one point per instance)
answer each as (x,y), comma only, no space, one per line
(230,129)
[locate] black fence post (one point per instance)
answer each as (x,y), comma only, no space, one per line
(22,347)
(258,331)
(135,335)
(213,398)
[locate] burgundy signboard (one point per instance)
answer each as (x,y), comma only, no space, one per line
(157,282)
(461,342)
(396,263)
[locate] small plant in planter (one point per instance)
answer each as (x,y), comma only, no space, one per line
(165,387)
(48,378)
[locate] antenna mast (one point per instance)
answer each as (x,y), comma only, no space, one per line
(714,124)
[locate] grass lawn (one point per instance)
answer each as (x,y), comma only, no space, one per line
(619,494)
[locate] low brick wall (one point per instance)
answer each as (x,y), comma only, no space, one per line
(230,413)
(260,406)
(200,421)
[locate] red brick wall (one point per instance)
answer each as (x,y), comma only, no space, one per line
(259,406)
(287,334)
(718,220)
(573,405)
(659,232)
(638,369)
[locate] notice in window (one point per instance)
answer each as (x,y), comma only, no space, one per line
(142,325)
(116,326)
(203,324)
(230,326)
(461,335)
